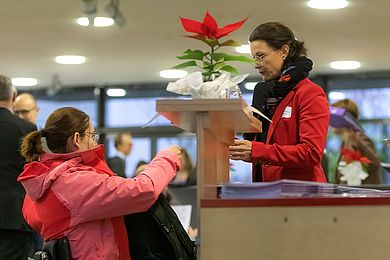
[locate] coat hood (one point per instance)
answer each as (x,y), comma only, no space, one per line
(38,176)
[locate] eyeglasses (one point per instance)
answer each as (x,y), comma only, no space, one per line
(95,136)
(23,111)
(260,58)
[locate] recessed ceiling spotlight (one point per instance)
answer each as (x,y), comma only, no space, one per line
(327,4)
(24,82)
(70,59)
(116,92)
(173,74)
(243,49)
(97,21)
(345,65)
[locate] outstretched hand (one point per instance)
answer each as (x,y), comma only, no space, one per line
(241,150)
(174,148)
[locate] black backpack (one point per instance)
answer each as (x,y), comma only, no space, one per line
(157,234)
(55,249)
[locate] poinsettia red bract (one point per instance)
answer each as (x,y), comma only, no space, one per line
(209,27)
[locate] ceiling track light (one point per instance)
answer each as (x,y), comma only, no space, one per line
(90,10)
(112,9)
(89,6)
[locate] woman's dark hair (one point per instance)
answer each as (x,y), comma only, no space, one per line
(60,126)
(276,35)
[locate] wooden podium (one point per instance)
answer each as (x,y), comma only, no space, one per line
(215,122)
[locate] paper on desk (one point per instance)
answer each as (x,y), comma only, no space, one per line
(184,214)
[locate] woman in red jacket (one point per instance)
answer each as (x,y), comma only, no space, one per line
(292,145)
(72,193)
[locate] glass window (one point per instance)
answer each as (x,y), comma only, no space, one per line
(240,171)
(46,107)
(364,99)
(187,141)
(248,98)
(127,112)
(140,152)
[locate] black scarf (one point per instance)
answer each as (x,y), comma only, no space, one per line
(267,96)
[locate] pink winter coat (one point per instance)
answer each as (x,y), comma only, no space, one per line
(76,195)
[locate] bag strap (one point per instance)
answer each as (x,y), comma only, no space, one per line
(173,227)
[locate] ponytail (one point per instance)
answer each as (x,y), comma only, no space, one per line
(31,146)
(297,49)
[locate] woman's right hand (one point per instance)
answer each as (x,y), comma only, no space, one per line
(174,148)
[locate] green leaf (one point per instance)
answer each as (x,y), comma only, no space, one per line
(230,43)
(218,56)
(226,57)
(230,69)
(220,65)
(192,55)
(208,41)
(185,65)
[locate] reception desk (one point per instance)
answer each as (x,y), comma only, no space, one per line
(295,228)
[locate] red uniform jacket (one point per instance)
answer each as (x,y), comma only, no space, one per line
(296,137)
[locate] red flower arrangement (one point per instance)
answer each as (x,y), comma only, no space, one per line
(211,62)
(350,156)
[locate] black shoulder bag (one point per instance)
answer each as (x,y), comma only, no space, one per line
(158,234)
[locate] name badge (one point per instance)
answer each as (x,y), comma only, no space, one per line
(287,112)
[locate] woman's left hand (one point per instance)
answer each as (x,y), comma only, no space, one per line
(241,150)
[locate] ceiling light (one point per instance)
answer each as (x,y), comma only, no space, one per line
(345,65)
(334,95)
(24,82)
(97,21)
(243,49)
(83,21)
(70,59)
(250,85)
(327,4)
(173,74)
(116,92)
(103,21)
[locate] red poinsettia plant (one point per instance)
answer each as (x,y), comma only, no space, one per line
(350,156)
(212,62)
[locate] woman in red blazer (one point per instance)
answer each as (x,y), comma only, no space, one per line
(292,145)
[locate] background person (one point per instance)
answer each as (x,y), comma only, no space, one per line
(72,192)
(291,147)
(357,141)
(26,108)
(16,239)
(123,144)
(187,174)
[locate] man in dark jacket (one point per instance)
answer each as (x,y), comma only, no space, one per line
(16,240)
(124,145)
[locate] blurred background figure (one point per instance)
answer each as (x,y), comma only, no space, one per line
(187,174)
(25,107)
(123,145)
(140,167)
(357,141)
(16,237)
